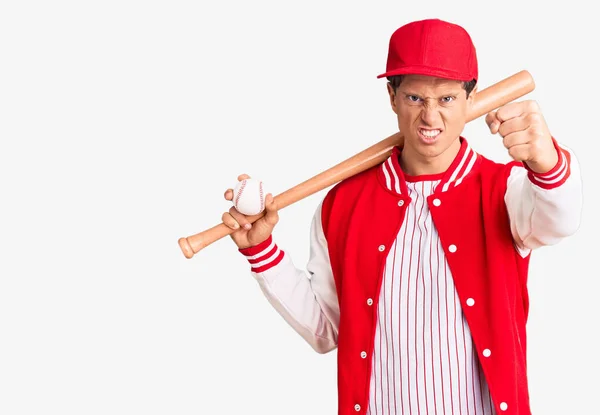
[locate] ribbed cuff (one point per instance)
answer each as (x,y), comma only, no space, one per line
(559,173)
(263,256)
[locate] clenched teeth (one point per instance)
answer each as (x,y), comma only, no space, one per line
(430,133)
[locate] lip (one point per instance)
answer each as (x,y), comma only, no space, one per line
(426,139)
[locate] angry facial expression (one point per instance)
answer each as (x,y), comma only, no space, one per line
(432,113)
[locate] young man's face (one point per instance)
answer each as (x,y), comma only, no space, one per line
(432,113)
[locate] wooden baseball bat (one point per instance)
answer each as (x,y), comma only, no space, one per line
(485,101)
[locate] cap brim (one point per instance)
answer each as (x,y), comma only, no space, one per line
(428,71)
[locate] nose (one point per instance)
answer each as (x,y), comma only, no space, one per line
(430,115)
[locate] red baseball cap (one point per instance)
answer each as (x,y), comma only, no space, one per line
(432,47)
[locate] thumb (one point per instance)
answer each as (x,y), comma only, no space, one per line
(271,215)
(493,122)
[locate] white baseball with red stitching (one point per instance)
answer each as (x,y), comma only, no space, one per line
(249,197)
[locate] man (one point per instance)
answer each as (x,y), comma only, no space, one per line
(418,267)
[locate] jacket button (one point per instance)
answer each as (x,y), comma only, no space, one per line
(363,354)
(437,202)
(452,248)
(357,407)
(487,352)
(470,302)
(504,406)
(369,301)
(381,248)
(401,203)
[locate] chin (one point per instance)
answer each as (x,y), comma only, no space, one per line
(430,151)
(428,147)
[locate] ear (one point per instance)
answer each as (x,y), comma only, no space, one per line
(472,94)
(471,98)
(392,97)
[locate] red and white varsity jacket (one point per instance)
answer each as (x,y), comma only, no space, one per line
(489,217)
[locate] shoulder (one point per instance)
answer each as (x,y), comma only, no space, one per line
(340,200)
(351,185)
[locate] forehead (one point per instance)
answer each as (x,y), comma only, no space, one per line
(422,83)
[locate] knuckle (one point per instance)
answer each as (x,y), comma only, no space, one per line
(533,106)
(273,220)
(533,118)
(536,134)
(500,114)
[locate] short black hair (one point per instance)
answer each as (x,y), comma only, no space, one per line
(395,81)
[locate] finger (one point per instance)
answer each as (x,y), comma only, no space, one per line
(229,194)
(516,109)
(229,221)
(490,118)
(243,177)
(516,139)
(509,111)
(271,215)
(241,219)
(493,122)
(513,125)
(520,152)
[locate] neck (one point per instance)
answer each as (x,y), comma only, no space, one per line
(415,164)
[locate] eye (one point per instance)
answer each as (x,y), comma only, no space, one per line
(413,98)
(447,99)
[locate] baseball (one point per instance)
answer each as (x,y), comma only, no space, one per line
(249,197)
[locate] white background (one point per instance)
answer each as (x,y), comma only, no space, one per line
(123,122)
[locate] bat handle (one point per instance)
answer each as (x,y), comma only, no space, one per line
(193,244)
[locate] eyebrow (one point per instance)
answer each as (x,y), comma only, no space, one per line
(446,94)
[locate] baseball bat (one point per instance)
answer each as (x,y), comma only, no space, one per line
(485,101)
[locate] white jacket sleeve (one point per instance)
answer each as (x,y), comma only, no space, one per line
(307,300)
(544,208)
